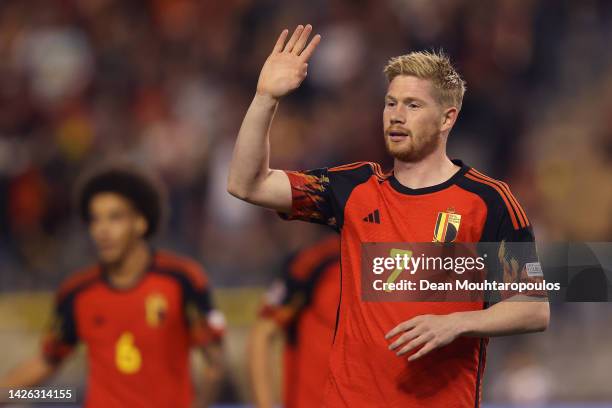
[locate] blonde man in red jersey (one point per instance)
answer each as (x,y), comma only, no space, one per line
(390,354)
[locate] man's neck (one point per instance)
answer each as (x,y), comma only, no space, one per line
(127,272)
(433,170)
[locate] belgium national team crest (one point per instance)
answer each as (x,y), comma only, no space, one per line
(156,307)
(447,226)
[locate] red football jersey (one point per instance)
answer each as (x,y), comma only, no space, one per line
(138,339)
(365,205)
(305,305)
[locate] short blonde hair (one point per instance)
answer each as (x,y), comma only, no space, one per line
(434,66)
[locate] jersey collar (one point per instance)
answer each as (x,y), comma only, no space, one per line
(400,188)
(138,281)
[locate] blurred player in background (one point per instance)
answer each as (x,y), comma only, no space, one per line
(303,307)
(426,195)
(139,310)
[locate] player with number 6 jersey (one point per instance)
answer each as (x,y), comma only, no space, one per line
(138,310)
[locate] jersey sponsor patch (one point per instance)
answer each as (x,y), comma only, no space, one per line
(534,269)
(216,320)
(277,292)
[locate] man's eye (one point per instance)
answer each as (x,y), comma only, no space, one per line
(390,103)
(413,105)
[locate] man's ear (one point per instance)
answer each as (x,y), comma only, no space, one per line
(449,117)
(141,225)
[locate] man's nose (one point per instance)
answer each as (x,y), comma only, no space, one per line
(99,230)
(397,118)
(397,114)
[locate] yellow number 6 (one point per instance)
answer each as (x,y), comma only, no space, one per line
(127,356)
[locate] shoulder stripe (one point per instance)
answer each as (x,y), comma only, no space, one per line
(191,269)
(77,280)
(349,166)
(521,213)
(509,193)
(379,173)
(501,193)
(376,169)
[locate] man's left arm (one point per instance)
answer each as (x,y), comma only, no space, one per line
(517,315)
(207,328)
(213,375)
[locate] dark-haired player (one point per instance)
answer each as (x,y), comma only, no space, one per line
(138,310)
(303,307)
(426,197)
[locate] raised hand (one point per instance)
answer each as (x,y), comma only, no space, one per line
(286,66)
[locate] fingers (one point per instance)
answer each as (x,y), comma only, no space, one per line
(404,326)
(301,42)
(278,47)
(424,350)
(409,335)
(298,40)
(419,341)
(307,53)
(294,37)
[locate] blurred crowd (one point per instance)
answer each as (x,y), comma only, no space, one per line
(165,83)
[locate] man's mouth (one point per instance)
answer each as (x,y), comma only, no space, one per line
(105,247)
(397,134)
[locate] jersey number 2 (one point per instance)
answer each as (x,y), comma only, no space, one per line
(127,355)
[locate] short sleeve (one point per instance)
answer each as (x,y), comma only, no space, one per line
(61,336)
(517,258)
(320,195)
(311,197)
(206,323)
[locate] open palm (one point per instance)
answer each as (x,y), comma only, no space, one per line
(286,66)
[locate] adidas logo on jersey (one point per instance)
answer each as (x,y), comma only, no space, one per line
(373,217)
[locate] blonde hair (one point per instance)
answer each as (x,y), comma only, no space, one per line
(434,66)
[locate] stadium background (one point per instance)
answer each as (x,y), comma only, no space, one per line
(166,82)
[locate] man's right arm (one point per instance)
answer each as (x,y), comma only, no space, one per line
(250,177)
(58,342)
(29,373)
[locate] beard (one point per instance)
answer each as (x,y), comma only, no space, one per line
(413,148)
